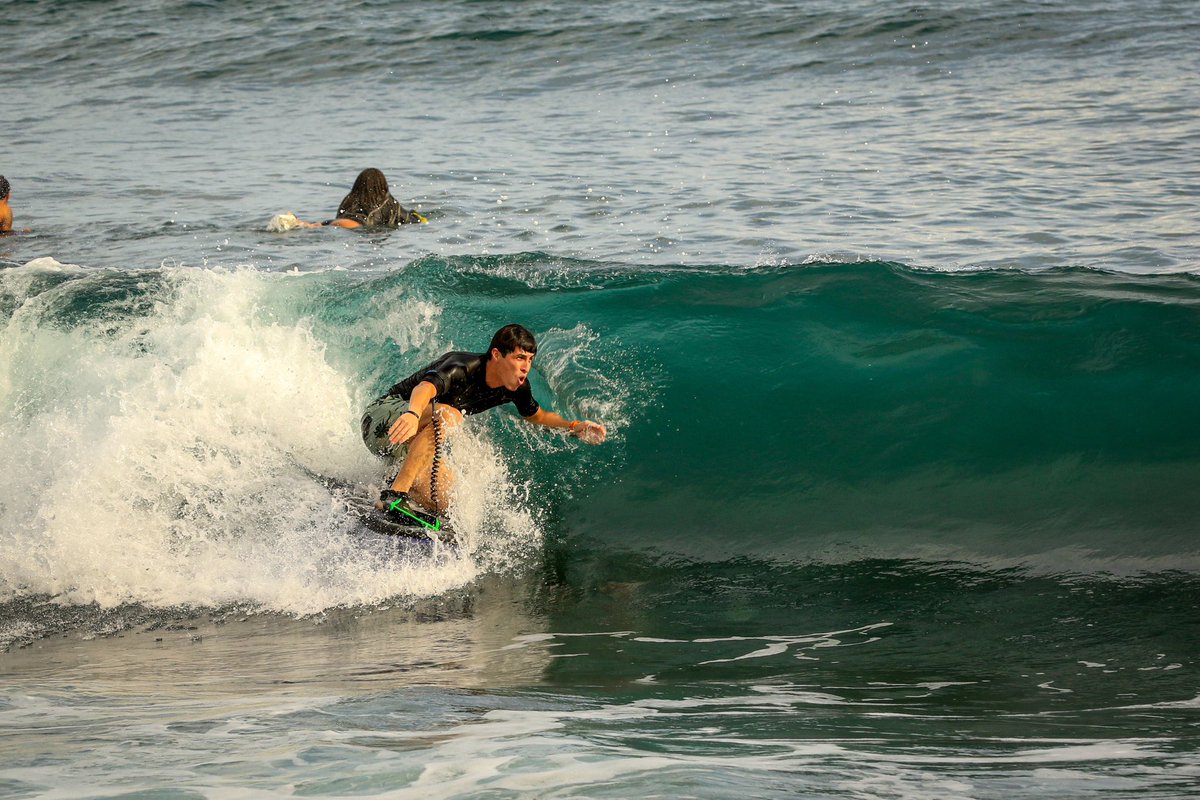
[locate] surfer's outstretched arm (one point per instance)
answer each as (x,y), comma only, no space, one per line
(585,429)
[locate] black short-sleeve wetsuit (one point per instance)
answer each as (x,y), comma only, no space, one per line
(460,379)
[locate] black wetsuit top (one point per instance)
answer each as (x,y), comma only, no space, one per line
(460,379)
(388,214)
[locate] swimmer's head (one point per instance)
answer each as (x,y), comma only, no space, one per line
(369,202)
(511,338)
(5,189)
(370,183)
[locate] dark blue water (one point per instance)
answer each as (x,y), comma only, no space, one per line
(892,313)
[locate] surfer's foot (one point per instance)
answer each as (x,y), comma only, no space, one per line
(391,501)
(399,509)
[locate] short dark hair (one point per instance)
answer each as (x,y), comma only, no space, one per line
(4,187)
(513,337)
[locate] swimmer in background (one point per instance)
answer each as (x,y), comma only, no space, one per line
(369,204)
(6,211)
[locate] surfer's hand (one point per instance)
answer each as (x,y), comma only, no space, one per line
(403,429)
(591,432)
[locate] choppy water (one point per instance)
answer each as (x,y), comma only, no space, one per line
(892,312)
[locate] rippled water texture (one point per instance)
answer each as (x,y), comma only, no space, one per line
(891,311)
(944,135)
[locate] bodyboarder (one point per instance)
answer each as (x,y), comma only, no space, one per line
(408,421)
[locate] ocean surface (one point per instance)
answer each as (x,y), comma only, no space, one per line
(892,311)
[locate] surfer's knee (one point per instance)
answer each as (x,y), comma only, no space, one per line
(449,416)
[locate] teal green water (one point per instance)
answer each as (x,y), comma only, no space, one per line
(791,416)
(872,406)
(783,411)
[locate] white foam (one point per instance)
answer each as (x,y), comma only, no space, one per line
(283,222)
(163,454)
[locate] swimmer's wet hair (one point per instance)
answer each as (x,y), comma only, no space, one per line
(370,203)
(4,187)
(511,338)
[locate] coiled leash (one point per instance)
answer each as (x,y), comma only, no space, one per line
(437,457)
(398,500)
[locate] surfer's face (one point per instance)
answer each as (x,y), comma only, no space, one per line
(512,369)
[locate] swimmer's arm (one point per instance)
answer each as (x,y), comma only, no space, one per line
(585,429)
(405,427)
(333,223)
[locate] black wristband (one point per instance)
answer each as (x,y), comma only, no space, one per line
(415,414)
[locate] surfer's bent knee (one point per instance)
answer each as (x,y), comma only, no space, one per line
(449,416)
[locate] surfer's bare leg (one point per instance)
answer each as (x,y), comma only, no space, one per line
(421,491)
(415,473)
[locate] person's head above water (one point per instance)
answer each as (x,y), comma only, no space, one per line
(369,202)
(370,185)
(5,212)
(511,338)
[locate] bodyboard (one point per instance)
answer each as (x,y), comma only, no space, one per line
(418,525)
